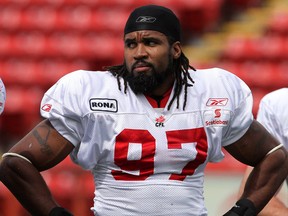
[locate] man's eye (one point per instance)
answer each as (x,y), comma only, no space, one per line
(130,44)
(150,43)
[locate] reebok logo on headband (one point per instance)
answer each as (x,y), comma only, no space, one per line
(154,18)
(145,19)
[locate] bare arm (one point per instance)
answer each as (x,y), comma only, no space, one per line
(269,170)
(274,207)
(44,147)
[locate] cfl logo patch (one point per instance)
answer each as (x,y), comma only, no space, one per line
(160,121)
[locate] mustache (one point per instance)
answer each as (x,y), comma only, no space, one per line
(141,63)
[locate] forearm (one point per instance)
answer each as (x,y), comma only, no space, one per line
(266,178)
(262,184)
(274,207)
(27,185)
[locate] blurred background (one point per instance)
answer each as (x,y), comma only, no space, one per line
(41,40)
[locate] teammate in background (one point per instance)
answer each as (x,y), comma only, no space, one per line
(146,130)
(273,114)
(2,96)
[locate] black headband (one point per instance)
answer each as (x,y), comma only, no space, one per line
(153,17)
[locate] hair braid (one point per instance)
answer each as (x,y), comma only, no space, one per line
(182,77)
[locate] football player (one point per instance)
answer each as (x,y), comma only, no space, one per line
(146,130)
(273,114)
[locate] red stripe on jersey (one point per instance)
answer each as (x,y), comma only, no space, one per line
(163,102)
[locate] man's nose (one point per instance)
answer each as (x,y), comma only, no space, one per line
(140,52)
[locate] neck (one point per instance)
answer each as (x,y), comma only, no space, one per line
(164,87)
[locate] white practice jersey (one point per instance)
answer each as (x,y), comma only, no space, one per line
(2,96)
(148,161)
(273,114)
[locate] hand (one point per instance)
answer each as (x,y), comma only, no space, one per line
(243,207)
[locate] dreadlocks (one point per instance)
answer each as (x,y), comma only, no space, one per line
(180,68)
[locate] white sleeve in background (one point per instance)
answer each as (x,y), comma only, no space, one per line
(273,114)
(2,96)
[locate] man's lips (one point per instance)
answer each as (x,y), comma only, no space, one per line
(141,67)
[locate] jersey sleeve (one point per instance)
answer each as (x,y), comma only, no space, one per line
(266,117)
(2,96)
(61,104)
(270,119)
(242,103)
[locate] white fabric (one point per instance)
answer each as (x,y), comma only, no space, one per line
(273,114)
(2,96)
(136,153)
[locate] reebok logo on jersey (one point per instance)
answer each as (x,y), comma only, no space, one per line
(103,104)
(146,19)
(46,107)
(217,102)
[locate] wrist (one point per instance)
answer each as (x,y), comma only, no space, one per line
(243,207)
(59,211)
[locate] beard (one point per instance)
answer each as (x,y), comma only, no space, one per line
(144,83)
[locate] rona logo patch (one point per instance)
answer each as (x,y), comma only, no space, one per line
(103,104)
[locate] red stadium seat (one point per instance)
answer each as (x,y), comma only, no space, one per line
(10,17)
(23,100)
(259,74)
(19,71)
(5,45)
(280,75)
(272,48)
(240,49)
(31,43)
(278,23)
(77,17)
(39,17)
(50,70)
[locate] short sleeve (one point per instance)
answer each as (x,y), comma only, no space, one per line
(2,96)
(266,117)
(61,104)
(242,116)
(272,114)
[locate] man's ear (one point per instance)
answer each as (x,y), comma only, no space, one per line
(176,50)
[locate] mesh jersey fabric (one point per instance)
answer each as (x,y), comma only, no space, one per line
(148,161)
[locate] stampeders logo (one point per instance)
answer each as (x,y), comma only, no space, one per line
(217,102)
(103,104)
(145,19)
(46,107)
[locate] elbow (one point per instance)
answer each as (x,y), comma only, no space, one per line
(283,157)
(9,167)
(280,160)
